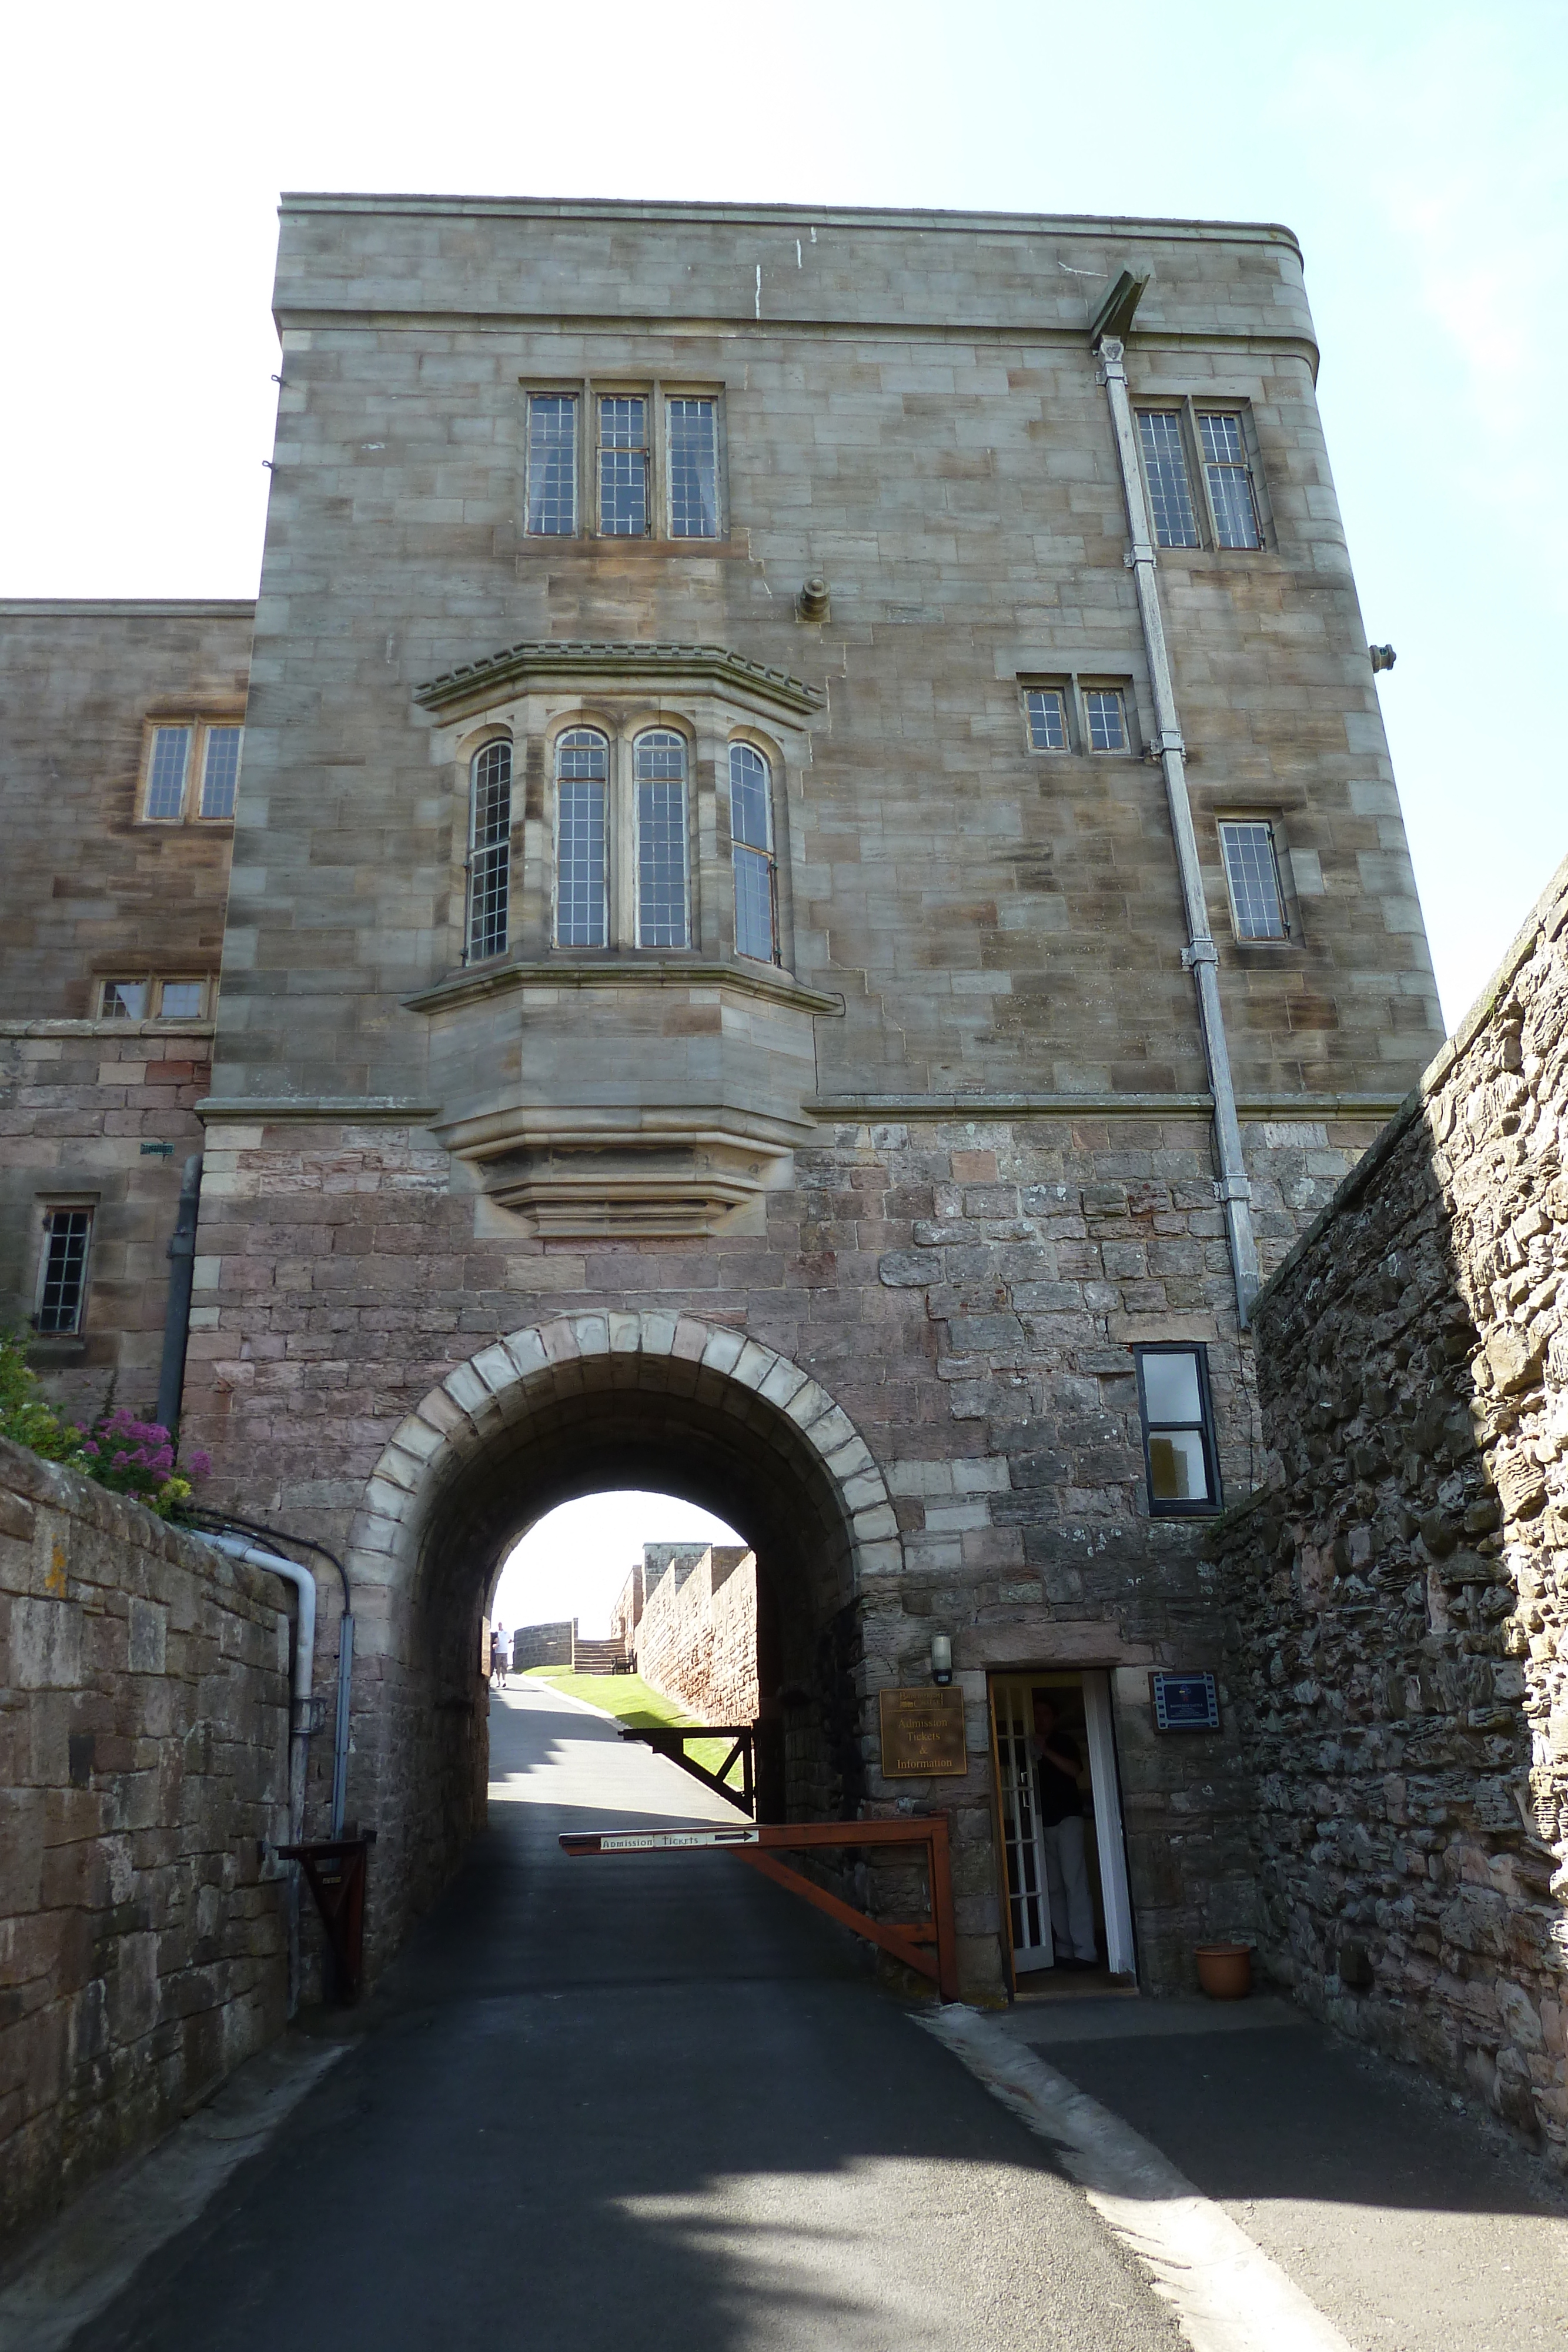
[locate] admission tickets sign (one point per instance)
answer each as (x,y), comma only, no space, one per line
(923,1735)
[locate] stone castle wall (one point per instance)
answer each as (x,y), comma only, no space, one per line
(544,1645)
(82,1106)
(143,1757)
(697,1639)
(1399,1592)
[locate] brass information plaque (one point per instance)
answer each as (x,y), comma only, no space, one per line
(923,1734)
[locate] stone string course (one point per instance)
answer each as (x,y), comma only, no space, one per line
(143,1757)
(1400,1592)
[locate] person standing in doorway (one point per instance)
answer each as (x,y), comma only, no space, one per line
(1057,1766)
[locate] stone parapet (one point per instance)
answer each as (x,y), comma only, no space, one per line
(143,1762)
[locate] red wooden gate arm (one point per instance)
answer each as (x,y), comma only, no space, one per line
(907,1941)
(892,1935)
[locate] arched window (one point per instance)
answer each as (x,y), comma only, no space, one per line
(659,768)
(490,849)
(581,782)
(751,852)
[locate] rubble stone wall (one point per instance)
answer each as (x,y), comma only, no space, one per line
(143,1757)
(697,1642)
(1400,1591)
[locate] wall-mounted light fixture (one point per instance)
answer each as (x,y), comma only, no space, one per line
(941,1659)
(1381,657)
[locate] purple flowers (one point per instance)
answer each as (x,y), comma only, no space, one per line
(137,1458)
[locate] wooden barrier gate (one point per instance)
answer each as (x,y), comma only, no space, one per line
(926,1945)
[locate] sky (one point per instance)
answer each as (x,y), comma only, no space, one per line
(1417,151)
(574,1562)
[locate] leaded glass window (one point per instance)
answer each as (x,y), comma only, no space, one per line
(582,781)
(751,851)
(166,769)
(62,1279)
(552,465)
(659,768)
(490,849)
(624,466)
(694,468)
(1106,714)
(1229,478)
(1252,876)
(220,771)
(1164,468)
(181,1000)
(1047,709)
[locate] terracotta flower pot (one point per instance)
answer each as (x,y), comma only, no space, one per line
(1225,1971)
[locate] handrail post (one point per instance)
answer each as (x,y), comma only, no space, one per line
(939,1854)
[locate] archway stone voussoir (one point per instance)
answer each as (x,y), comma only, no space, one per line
(468,1391)
(753,1364)
(592,1334)
(690,1339)
(560,1341)
(658,1332)
(850,1459)
(418,1437)
(442,1412)
(625,1335)
(809,1404)
(830,1429)
(494,1367)
(723,1351)
(784,1381)
(526,1351)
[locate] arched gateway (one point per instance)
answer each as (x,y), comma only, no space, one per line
(556,1409)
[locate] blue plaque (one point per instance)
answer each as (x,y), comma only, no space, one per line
(1185,1701)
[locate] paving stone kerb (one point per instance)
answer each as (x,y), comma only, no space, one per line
(1401,1589)
(144,1759)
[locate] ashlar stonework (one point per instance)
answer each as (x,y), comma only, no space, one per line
(144,1687)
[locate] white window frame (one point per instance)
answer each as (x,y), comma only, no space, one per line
(1116,688)
(50,1210)
(1062,690)
(199,730)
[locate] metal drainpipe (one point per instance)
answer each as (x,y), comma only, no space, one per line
(177,1313)
(304,1583)
(1200,955)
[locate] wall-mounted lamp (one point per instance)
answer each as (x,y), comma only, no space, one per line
(941,1659)
(1383,657)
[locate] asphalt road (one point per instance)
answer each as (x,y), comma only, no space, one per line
(651,2103)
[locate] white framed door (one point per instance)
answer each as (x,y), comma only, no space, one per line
(1023,1856)
(1120,1957)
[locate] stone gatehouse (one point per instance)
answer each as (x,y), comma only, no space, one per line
(816,892)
